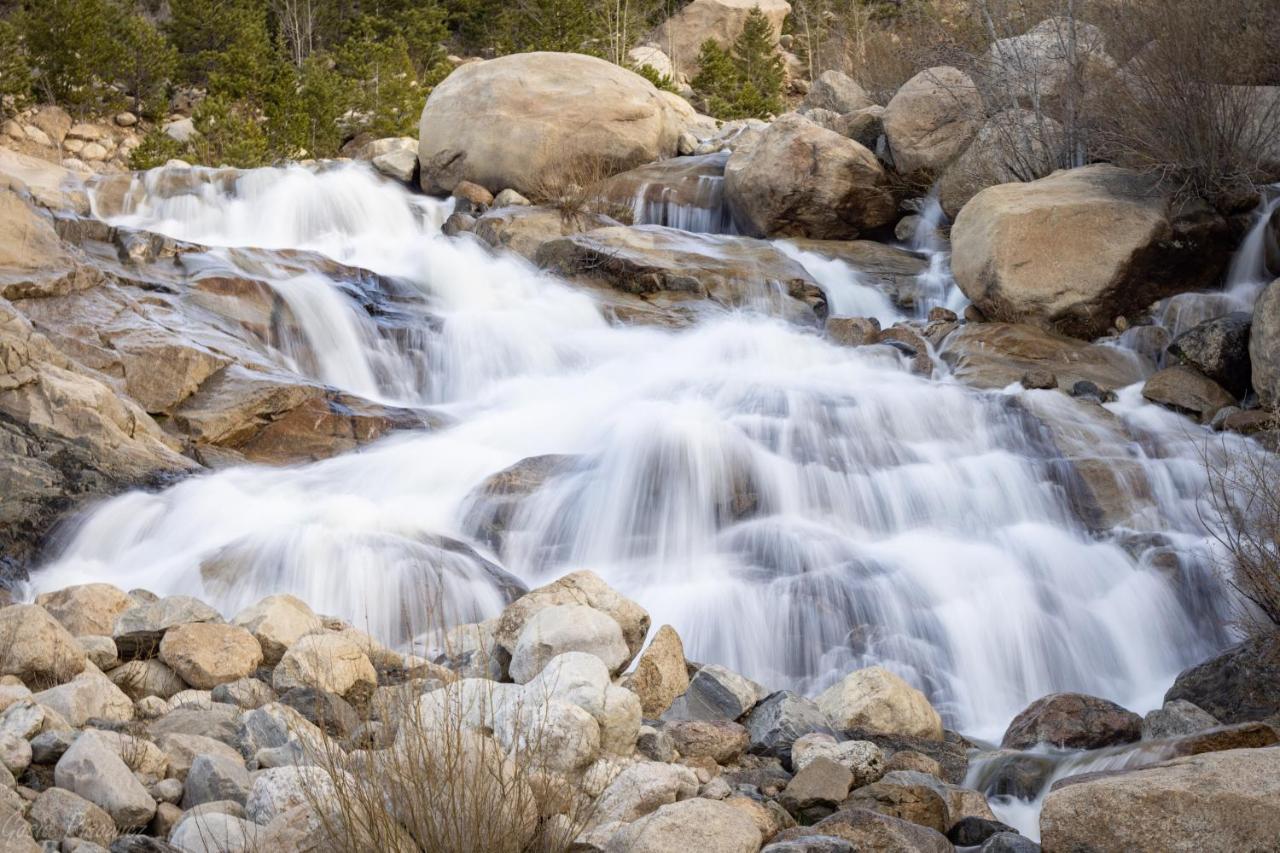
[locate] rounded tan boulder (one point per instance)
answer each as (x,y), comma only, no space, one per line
(206,654)
(327,662)
(277,622)
(932,119)
(88,609)
(535,120)
(877,701)
(1079,248)
(802,180)
(36,648)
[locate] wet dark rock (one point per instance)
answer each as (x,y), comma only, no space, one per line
(1009,842)
(776,722)
(972,831)
(715,693)
(1219,349)
(868,830)
(1237,686)
(1073,720)
(918,804)
(327,710)
(1009,773)
(1176,719)
(1255,735)
(1037,378)
(951,752)
(812,844)
(1185,389)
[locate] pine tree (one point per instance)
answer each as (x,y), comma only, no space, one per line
(148,63)
(745,82)
(15,72)
(758,67)
(716,80)
(74,52)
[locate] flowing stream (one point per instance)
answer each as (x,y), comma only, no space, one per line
(796,509)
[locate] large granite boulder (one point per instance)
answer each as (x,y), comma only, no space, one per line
(931,120)
(802,180)
(1079,248)
(1215,801)
(1239,685)
(1072,720)
(531,120)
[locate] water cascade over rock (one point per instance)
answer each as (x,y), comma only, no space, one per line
(795,508)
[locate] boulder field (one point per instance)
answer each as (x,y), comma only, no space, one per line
(133,722)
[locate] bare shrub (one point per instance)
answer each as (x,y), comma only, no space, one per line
(1242,510)
(441,764)
(574,191)
(1183,106)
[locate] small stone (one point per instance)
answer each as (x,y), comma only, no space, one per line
(57,814)
(326,662)
(139,679)
(101,651)
(167,791)
(510,198)
(815,791)
(862,758)
(655,745)
(329,711)
(1038,378)
(722,741)
(126,119)
(909,759)
(247,693)
(1178,717)
(213,778)
(558,629)
(715,693)
(853,331)
(93,770)
(208,654)
(48,747)
(972,831)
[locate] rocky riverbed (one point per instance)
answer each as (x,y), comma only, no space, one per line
(139,723)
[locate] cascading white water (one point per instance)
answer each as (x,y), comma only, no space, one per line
(794,508)
(1248,274)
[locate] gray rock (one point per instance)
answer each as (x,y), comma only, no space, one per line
(1264,345)
(1009,842)
(277,790)
(139,629)
(775,723)
(1237,686)
(47,747)
(182,750)
(218,722)
(213,778)
(715,693)
(142,844)
(247,693)
(816,790)
(93,770)
(333,714)
(1175,719)
(214,833)
(1219,348)
(838,93)
(167,791)
(57,814)
(812,844)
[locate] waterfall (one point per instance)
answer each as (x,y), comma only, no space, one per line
(794,508)
(1251,270)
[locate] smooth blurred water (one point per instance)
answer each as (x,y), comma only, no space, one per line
(794,508)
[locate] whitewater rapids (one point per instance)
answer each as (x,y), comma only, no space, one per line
(893,519)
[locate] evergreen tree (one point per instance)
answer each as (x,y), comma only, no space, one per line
(74,51)
(758,65)
(747,81)
(223,43)
(15,72)
(148,64)
(387,96)
(716,80)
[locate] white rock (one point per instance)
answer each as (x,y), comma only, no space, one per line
(92,769)
(878,701)
(567,628)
